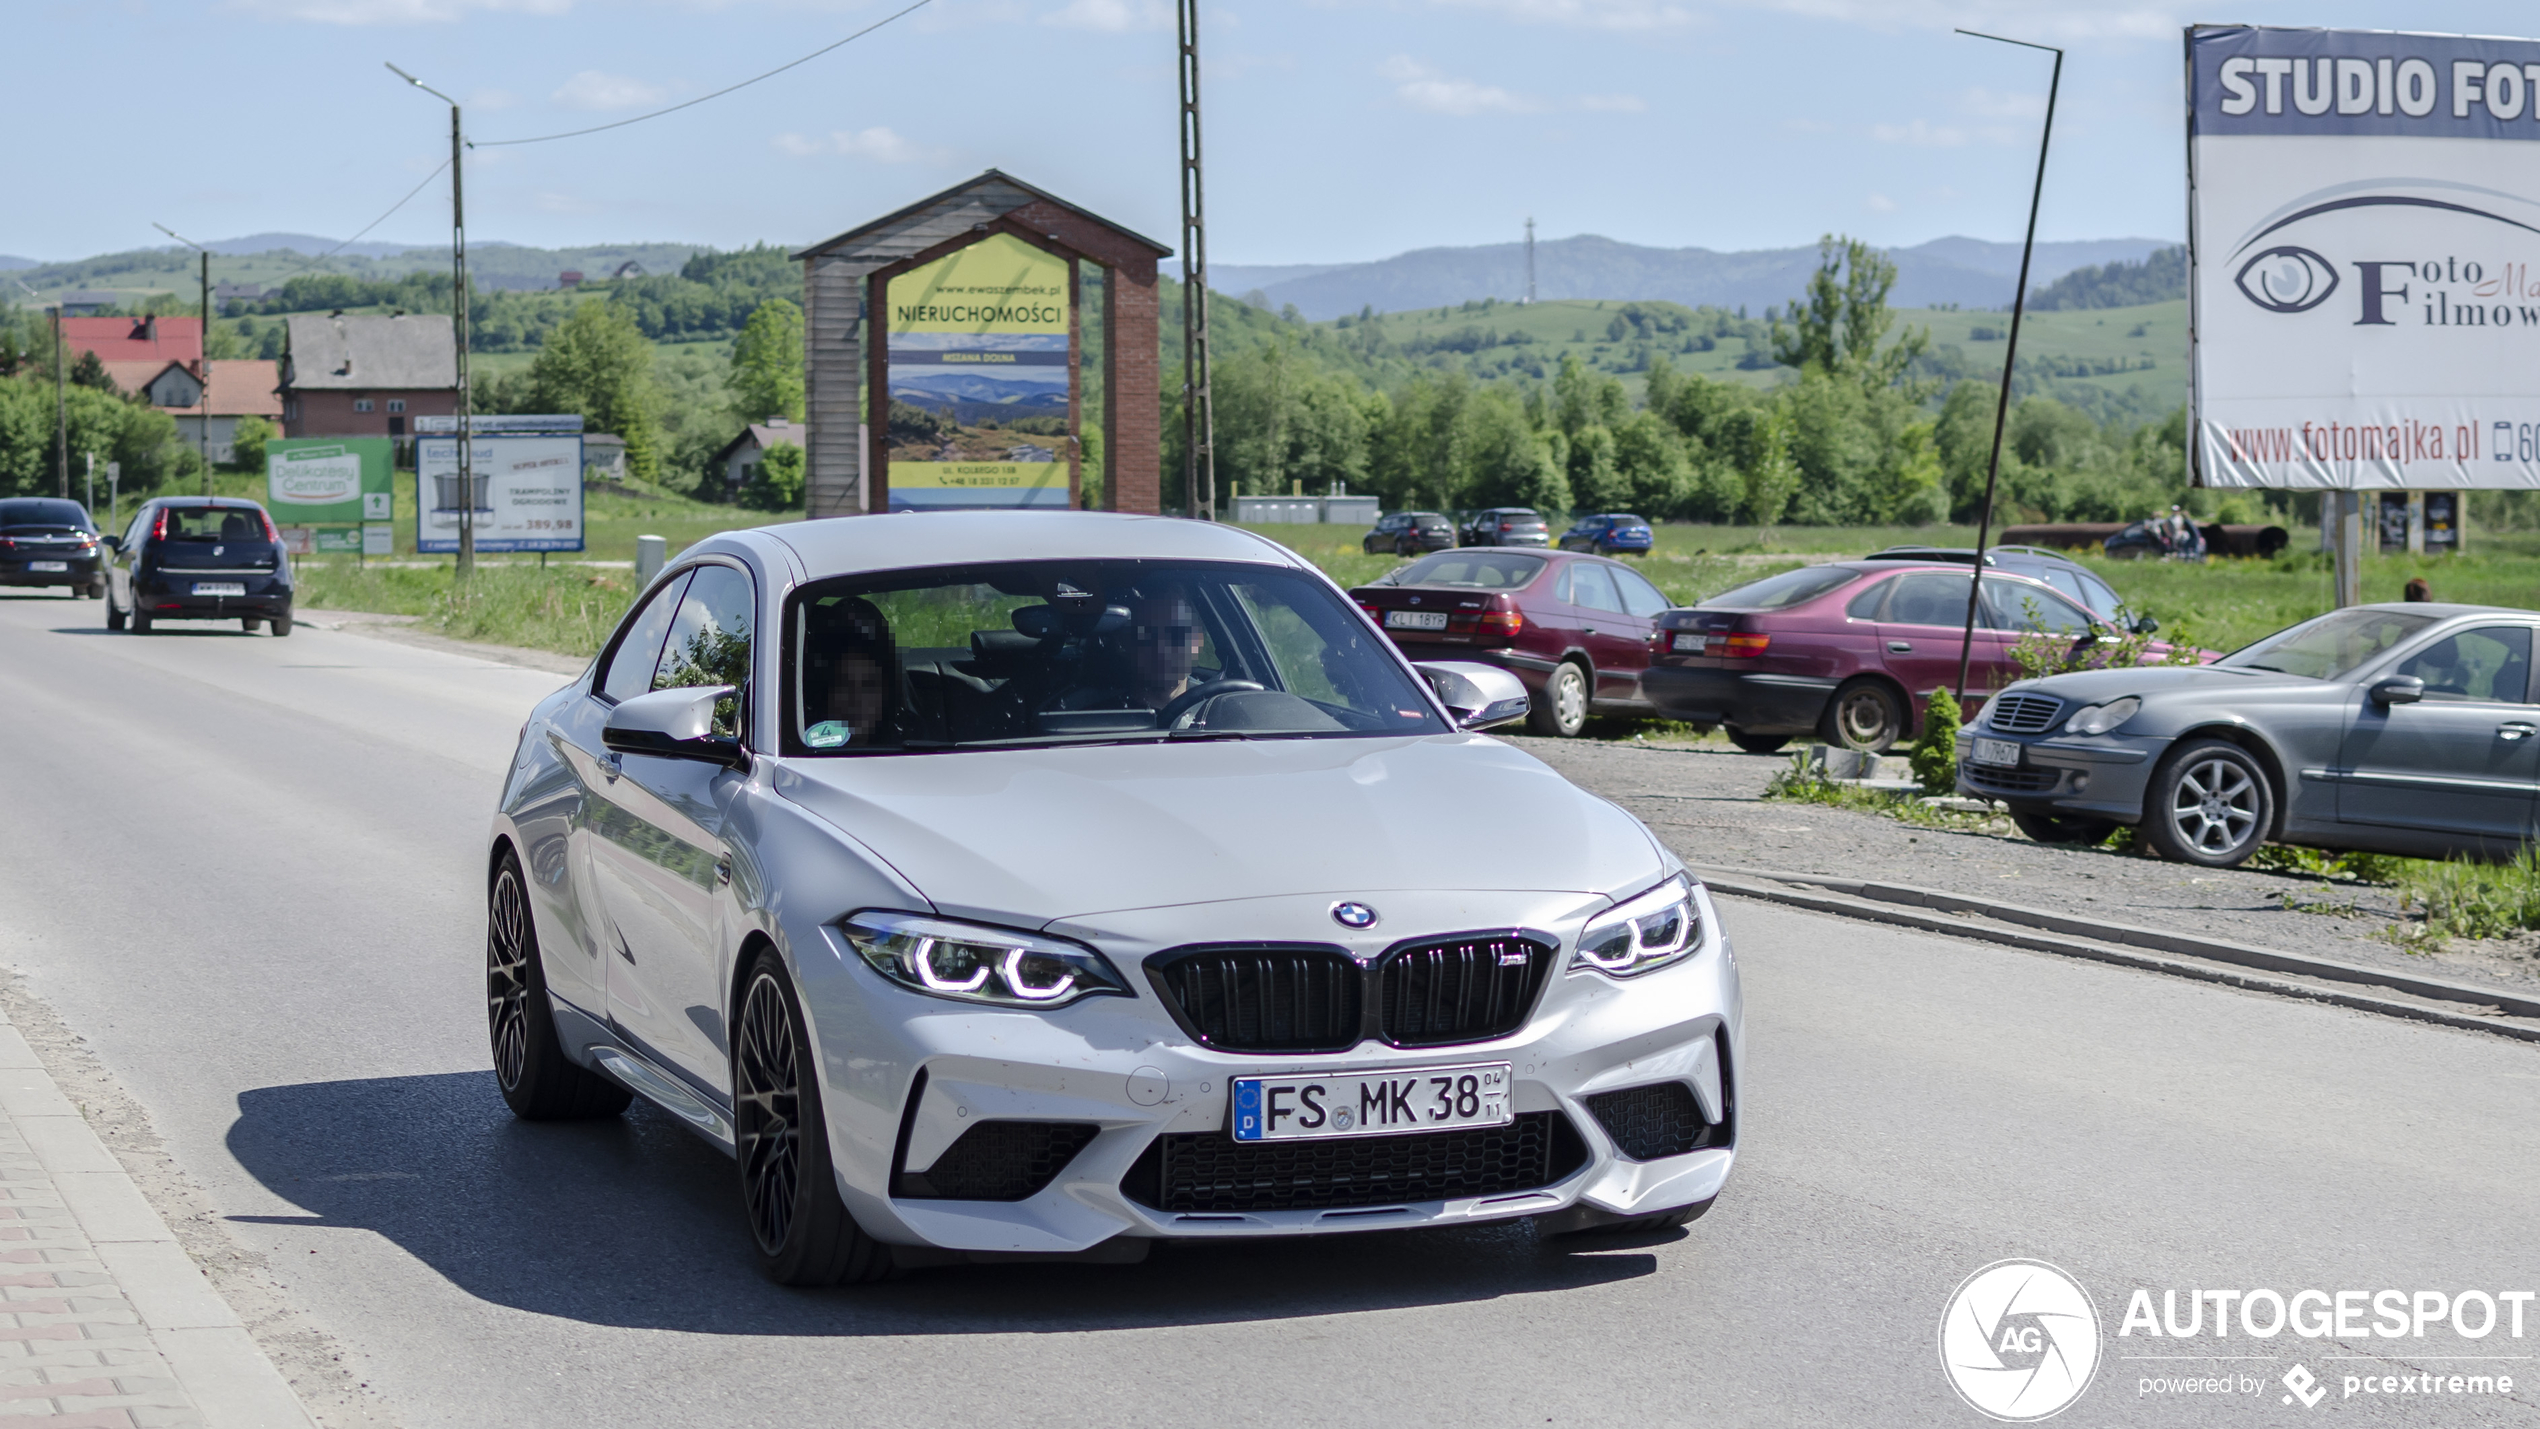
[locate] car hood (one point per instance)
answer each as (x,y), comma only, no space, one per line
(2090,687)
(1031,836)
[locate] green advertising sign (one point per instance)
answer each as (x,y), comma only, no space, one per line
(328,486)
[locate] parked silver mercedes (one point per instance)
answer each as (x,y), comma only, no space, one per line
(1060,883)
(2408,729)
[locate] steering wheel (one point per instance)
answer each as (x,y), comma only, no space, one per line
(1183,703)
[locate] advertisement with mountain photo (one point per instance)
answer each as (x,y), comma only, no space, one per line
(980,356)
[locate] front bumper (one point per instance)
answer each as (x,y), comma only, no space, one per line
(2101,776)
(1756,700)
(1121,1066)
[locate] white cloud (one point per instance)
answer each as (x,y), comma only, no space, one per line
(1113,16)
(392,12)
(1588,14)
(593,90)
(878,144)
(1612,104)
(1921,133)
(1875,203)
(1421,87)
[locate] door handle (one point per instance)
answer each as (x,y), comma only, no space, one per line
(1591,630)
(723,871)
(612,764)
(2517,729)
(1900,647)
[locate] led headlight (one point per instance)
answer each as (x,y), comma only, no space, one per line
(969,963)
(1649,931)
(2099,719)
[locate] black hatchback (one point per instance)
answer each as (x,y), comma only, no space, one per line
(199,558)
(48,542)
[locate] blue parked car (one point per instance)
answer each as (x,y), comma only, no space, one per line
(1611,533)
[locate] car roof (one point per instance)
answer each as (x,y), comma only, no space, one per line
(1965,554)
(842,545)
(232,503)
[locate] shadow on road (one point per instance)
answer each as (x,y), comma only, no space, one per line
(634,1222)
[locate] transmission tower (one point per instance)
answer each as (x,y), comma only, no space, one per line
(1530,261)
(1199,428)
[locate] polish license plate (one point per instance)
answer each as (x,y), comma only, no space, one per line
(1998,752)
(1692,644)
(1415,620)
(220,588)
(48,565)
(1389,1103)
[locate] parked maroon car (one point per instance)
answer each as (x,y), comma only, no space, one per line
(1849,652)
(1577,629)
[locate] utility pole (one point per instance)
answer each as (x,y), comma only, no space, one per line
(205,361)
(1530,262)
(61,396)
(458,332)
(1199,424)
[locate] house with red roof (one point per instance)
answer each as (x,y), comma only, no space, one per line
(158,340)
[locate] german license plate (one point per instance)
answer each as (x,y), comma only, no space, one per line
(48,565)
(1415,619)
(220,588)
(1692,644)
(1998,752)
(1389,1103)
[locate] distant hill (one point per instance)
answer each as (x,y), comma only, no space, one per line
(142,271)
(2159,278)
(1967,272)
(8,262)
(306,244)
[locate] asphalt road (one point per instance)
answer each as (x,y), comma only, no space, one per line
(247,872)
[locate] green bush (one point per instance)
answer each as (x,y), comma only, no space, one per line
(1935,753)
(776,483)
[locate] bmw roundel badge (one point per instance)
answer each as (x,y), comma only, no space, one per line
(1354,915)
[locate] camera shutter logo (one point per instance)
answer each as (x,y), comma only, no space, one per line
(2019,1341)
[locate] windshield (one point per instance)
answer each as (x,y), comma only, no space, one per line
(2330,646)
(1481,569)
(1785,590)
(1048,652)
(44,514)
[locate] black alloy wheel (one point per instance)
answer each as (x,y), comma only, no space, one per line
(1757,743)
(789,1188)
(2210,803)
(1865,715)
(2064,828)
(538,1081)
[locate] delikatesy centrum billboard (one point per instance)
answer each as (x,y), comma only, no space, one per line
(328,487)
(2364,225)
(526,495)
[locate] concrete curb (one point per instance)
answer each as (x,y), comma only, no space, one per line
(216,1361)
(2387,991)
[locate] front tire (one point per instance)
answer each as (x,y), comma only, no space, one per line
(2063,828)
(1560,708)
(789,1188)
(1865,715)
(538,1081)
(1758,743)
(2209,804)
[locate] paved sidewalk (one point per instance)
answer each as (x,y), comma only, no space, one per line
(104,1319)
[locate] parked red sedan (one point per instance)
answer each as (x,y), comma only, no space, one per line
(1849,652)
(1579,630)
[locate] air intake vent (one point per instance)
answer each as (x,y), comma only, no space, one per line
(1213,1173)
(2022,714)
(1266,999)
(1649,1122)
(997,1161)
(1466,990)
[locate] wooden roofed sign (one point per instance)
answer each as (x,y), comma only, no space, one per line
(944,354)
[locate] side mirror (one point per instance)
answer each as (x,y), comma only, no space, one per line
(1479,696)
(111,543)
(2145,625)
(674,724)
(2397,690)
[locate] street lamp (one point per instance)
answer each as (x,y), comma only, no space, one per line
(458,334)
(61,401)
(205,418)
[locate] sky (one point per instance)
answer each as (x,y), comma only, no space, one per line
(1336,130)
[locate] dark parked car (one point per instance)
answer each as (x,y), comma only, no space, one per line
(1849,651)
(1578,630)
(1409,533)
(1505,526)
(2407,729)
(199,558)
(2038,564)
(46,542)
(1611,533)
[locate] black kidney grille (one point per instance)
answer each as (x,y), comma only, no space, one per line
(1468,990)
(1268,999)
(998,1161)
(1662,1119)
(1213,1173)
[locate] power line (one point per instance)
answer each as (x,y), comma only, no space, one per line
(700,99)
(309,263)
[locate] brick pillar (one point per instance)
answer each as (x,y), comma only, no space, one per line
(1133,424)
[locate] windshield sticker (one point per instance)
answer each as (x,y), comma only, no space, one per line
(828,734)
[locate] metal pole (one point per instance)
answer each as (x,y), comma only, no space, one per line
(2010,354)
(458,339)
(204,419)
(61,411)
(1199,426)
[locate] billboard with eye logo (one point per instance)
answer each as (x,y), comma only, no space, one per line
(2364,230)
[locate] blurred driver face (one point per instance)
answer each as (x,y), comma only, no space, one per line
(860,694)
(1164,641)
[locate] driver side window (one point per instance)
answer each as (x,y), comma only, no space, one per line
(2492,662)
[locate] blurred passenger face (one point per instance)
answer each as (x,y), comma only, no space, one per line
(1164,641)
(860,695)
